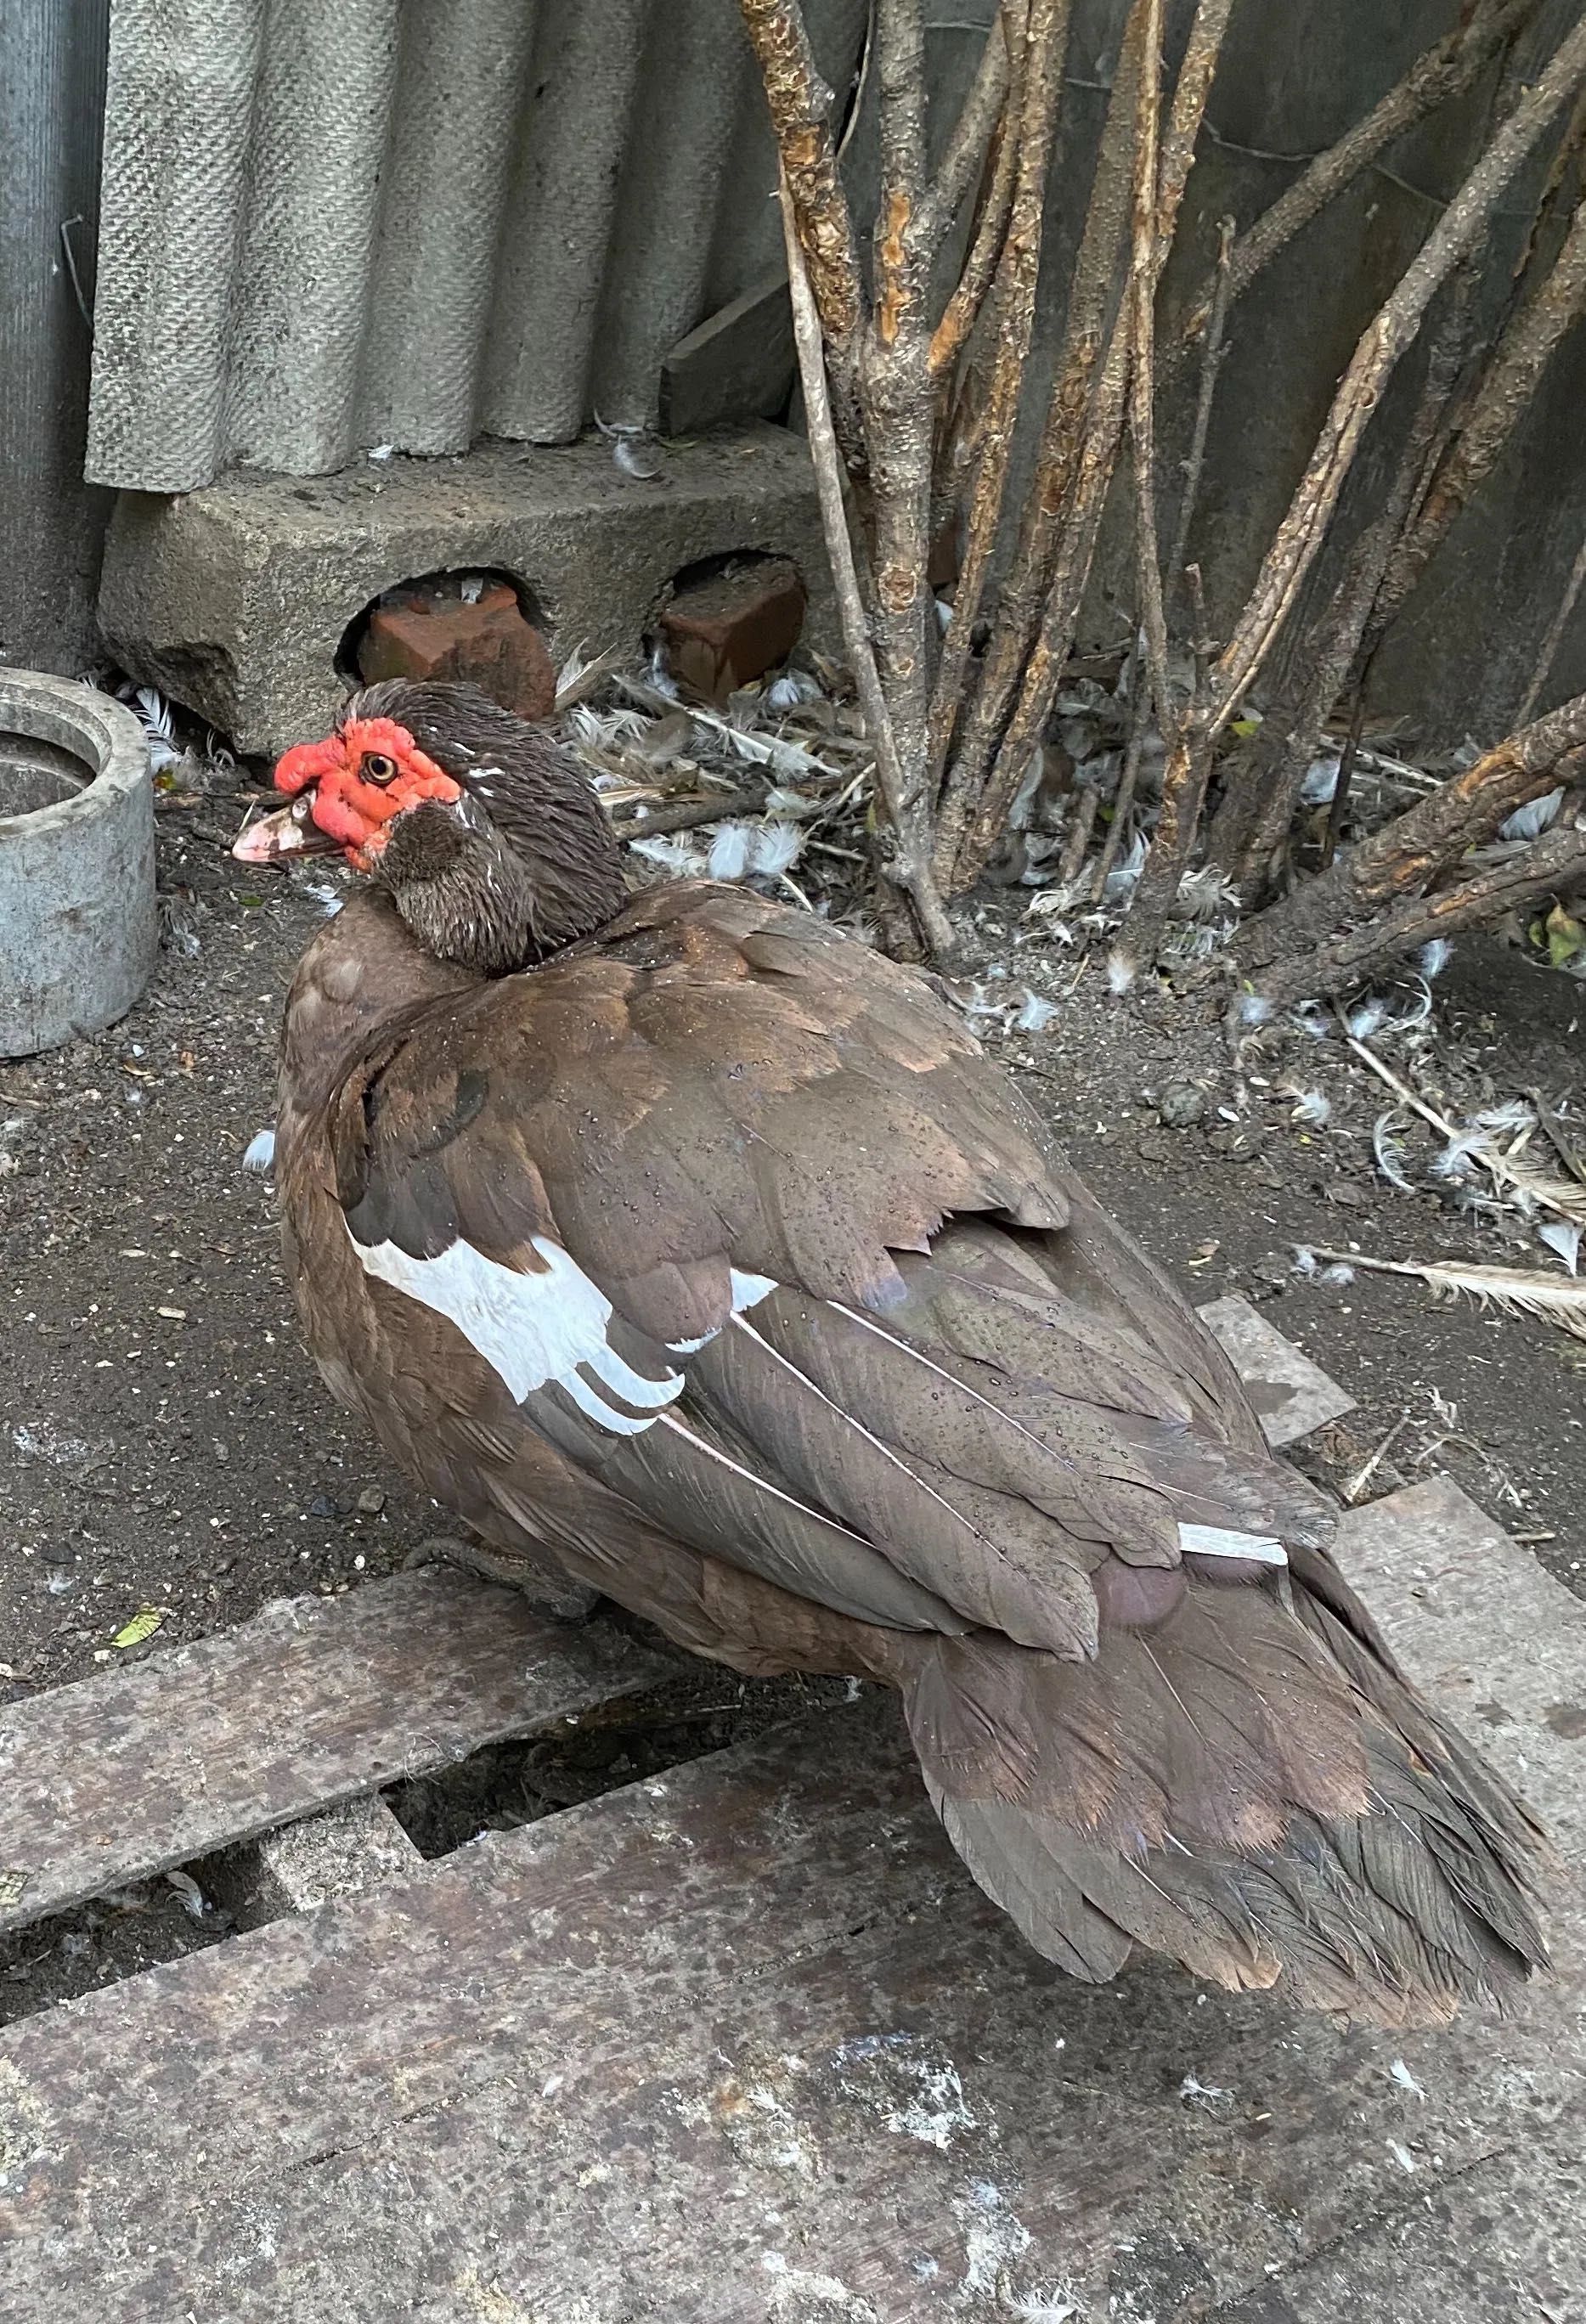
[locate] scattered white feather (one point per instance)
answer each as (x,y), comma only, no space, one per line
(1368,1017)
(1121,971)
(791,689)
(1254,1009)
(675,851)
(1401,2156)
(1461,1151)
(381,452)
(1314,1110)
(1321,783)
(573,668)
(259,1154)
(730,847)
(636,459)
(1513,1114)
(1036,1013)
(778,846)
(1209,2095)
(1563,1236)
(1312,1019)
(1435,956)
(324,896)
(1052,2306)
(153,713)
(1307,1263)
(1530,820)
(1512,1290)
(765,850)
(1388,1147)
(1406,2080)
(782,805)
(658,677)
(1124,876)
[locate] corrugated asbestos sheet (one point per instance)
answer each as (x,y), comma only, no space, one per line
(327,228)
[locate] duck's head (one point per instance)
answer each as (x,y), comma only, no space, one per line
(483,830)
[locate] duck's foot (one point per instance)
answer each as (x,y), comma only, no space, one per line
(547,1591)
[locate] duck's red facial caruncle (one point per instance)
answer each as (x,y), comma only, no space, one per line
(346,792)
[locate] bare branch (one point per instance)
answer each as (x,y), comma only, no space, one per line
(1213,347)
(1047,511)
(1252,825)
(1549,866)
(1452,65)
(1555,630)
(1145,270)
(1505,393)
(1300,535)
(985,249)
(1409,855)
(897,399)
(801,110)
(1016,275)
(1043,672)
(964,157)
(912,866)
(1196,76)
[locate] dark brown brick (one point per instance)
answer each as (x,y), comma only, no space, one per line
(726,632)
(428,635)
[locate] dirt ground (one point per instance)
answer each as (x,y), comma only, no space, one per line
(167,1450)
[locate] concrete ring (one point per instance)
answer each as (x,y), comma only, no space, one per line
(78,931)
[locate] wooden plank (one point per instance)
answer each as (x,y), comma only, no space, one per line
(319,1699)
(1490,1634)
(1501,2246)
(745,2042)
(1291,1395)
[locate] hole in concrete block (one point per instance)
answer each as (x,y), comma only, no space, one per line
(724,621)
(476,624)
(35,774)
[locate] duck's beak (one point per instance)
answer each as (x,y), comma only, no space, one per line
(290,831)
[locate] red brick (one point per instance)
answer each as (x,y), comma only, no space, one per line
(428,635)
(726,632)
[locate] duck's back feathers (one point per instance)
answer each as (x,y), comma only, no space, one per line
(713,1260)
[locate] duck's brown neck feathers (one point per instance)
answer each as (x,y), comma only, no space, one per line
(528,866)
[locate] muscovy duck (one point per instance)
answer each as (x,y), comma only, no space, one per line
(693,1253)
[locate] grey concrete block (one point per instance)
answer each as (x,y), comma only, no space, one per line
(78,927)
(236,599)
(1291,1395)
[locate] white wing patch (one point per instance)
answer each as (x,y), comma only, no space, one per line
(536,1329)
(531,1329)
(748,1291)
(1224,1541)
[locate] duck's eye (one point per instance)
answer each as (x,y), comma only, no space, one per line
(379,768)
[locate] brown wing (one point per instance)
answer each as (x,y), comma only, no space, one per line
(780,1321)
(847,1343)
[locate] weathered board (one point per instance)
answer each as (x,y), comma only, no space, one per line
(745,2042)
(1289,1394)
(315,1701)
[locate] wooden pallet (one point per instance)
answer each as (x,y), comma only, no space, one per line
(743,2040)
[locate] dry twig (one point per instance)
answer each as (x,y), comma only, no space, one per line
(1445,70)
